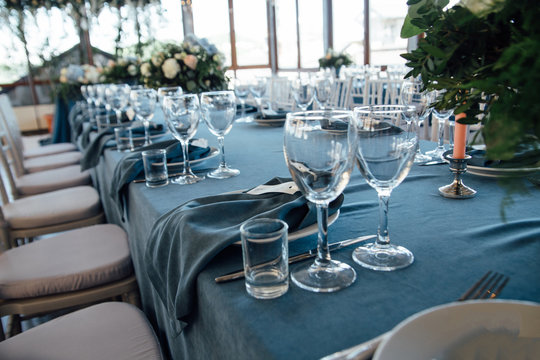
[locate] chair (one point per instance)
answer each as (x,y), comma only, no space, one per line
(72,269)
(43,181)
(341,94)
(48,213)
(42,158)
(105,331)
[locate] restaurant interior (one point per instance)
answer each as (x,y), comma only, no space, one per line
(376,199)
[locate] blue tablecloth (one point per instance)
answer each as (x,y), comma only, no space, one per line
(454,243)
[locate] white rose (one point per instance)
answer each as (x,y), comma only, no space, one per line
(132,70)
(145,69)
(481,8)
(191,61)
(170,68)
(92,74)
(122,62)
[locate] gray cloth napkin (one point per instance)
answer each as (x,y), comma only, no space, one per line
(184,240)
(93,151)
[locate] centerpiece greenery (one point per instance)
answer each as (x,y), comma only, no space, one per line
(195,65)
(125,70)
(334,60)
(486,54)
(72,77)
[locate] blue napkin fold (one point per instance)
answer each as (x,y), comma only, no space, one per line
(130,167)
(184,240)
(95,148)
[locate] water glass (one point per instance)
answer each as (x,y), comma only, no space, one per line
(266,252)
(155,167)
(124,139)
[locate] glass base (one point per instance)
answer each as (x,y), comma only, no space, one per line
(421,158)
(436,153)
(328,277)
(382,257)
(244,119)
(223,172)
(186,179)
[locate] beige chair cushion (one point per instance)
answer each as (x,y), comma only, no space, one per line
(53,208)
(74,260)
(49,150)
(50,180)
(43,163)
(107,331)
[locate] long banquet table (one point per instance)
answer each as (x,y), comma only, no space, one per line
(454,242)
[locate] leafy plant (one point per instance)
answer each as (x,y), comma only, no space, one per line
(486,53)
(333,59)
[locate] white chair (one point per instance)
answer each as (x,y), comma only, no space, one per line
(76,268)
(341,94)
(105,331)
(40,159)
(43,181)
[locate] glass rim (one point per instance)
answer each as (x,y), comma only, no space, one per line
(217,92)
(319,114)
(244,228)
(386,109)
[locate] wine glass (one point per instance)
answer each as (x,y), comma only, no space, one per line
(87,95)
(241,90)
(257,89)
(143,103)
(118,98)
(182,115)
(218,110)
(319,150)
(303,91)
(387,143)
(442,117)
(324,89)
(412,95)
(168,91)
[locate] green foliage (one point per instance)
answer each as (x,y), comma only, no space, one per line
(487,55)
(123,71)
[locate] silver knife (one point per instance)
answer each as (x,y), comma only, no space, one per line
(294,259)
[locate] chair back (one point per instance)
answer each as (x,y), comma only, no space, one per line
(6,171)
(8,123)
(279,93)
(341,94)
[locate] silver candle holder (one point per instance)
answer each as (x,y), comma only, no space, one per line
(457,190)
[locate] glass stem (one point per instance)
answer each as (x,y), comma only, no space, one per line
(243,107)
(441,133)
(221,141)
(382,233)
(118,116)
(146,132)
(323,254)
(185,153)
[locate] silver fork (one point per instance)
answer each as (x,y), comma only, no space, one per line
(487,287)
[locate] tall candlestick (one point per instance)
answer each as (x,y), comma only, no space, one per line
(460,137)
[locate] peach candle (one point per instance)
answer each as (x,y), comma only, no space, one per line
(460,138)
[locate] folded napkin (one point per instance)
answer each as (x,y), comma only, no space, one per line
(267,114)
(95,148)
(130,167)
(184,240)
(525,156)
(247,109)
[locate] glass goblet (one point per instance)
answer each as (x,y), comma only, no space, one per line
(442,117)
(303,91)
(143,103)
(257,90)
(88,98)
(118,98)
(319,149)
(412,95)
(387,143)
(324,89)
(168,91)
(218,110)
(182,115)
(241,90)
